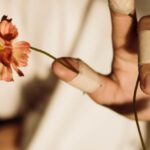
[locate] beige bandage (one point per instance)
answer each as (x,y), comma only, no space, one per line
(87,80)
(144,46)
(122,6)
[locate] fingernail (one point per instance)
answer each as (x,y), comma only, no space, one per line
(68,63)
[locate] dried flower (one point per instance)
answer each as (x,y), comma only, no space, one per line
(12,55)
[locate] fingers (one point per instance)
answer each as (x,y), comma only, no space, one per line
(123,25)
(87,80)
(63,71)
(144,53)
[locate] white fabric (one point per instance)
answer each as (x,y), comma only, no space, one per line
(122,6)
(144,46)
(87,79)
(72,121)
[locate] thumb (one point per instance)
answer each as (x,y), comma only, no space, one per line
(144,55)
(85,79)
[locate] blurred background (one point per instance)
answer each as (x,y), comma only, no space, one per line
(40,112)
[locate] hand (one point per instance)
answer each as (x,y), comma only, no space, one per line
(116,89)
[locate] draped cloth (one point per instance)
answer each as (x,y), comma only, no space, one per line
(58,116)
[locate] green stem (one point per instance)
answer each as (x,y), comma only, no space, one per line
(64,63)
(136,116)
(41,51)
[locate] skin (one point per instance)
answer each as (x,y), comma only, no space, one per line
(121,81)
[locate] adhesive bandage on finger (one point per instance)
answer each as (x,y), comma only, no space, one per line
(144,46)
(144,41)
(87,80)
(122,6)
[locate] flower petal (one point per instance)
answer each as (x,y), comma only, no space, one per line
(19,72)
(20,53)
(5,56)
(7,30)
(5,73)
(2,43)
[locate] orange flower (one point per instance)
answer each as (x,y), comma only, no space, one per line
(12,55)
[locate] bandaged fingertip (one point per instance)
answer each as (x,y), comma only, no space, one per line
(122,6)
(87,79)
(144,40)
(144,47)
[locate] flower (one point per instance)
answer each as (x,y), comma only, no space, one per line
(12,55)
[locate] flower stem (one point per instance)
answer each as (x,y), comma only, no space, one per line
(66,64)
(136,116)
(41,51)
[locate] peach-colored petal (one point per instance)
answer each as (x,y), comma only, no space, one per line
(5,56)
(1,70)
(2,43)
(5,73)
(20,53)
(18,71)
(7,30)
(2,26)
